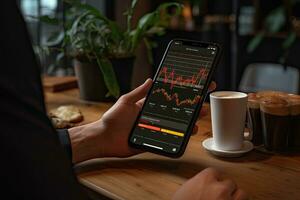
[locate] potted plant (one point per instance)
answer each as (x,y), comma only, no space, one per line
(278,21)
(104,53)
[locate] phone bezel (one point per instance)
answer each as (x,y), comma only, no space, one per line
(198,107)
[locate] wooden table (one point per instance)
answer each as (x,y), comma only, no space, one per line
(149,176)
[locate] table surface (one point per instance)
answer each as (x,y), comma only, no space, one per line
(150,176)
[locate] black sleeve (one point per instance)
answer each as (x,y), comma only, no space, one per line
(64,138)
(33,163)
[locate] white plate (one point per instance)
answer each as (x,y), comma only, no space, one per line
(208,144)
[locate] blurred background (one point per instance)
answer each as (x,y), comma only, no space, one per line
(260,38)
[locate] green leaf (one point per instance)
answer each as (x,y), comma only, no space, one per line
(178,7)
(76,33)
(49,20)
(156,18)
(41,50)
(55,38)
(116,31)
(109,76)
(131,8)
(94,11)
(145,21)
(115,35)
(255,41)
(133,4)
(60,58)
(89,33)
(289,41)
(156,30)
(75,26)
(129,14)
(275,20)
(149,50)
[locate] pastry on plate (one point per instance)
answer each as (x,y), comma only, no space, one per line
(68,113)
(60,124)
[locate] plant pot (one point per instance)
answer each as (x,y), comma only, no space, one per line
(91,82)
(123,68)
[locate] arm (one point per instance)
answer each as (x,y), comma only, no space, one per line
(33,164)
(209,184)
(64,139)
(108,136)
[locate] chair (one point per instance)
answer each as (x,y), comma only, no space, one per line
(270,76)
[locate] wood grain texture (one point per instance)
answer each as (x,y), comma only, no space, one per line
(56,84)
(91,111)
(149,176)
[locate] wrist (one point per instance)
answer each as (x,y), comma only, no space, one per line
(86,142)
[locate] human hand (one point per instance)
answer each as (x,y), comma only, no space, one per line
(120,118)
(211,88)
(108,137)
(204,110)
(209,185)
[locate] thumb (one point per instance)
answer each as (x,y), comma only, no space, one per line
(138,93)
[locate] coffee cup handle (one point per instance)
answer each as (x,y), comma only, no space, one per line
(248,135)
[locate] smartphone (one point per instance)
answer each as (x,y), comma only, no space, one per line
(173,103)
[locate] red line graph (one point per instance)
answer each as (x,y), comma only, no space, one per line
(175,97)
(174,79)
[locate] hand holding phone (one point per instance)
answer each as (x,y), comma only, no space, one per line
(172,105)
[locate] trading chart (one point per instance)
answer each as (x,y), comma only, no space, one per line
(174,97)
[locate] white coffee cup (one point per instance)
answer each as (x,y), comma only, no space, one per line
(228,115)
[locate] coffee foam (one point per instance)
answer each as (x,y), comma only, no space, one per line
(275,105)
(228,95)
(294,101)
(253,101)
(270,93)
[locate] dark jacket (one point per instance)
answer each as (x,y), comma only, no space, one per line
(33,163)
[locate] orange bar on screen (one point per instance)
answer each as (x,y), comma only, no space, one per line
(149,127)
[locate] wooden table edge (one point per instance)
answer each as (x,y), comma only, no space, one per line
(100,190)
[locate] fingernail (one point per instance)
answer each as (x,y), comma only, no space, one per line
(148,79)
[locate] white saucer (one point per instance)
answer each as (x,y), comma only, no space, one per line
(208,144)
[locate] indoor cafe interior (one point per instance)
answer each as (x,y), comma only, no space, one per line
(150,99)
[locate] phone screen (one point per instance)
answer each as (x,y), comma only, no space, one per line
(176,92)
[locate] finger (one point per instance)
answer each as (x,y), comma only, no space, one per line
(135,151)
(203,112)
(212,86)
(211,174)
(240,195)
(195,130)
(138,93)
(230,185)
(140,103)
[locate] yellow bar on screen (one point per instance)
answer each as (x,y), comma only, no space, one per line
(172,132)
